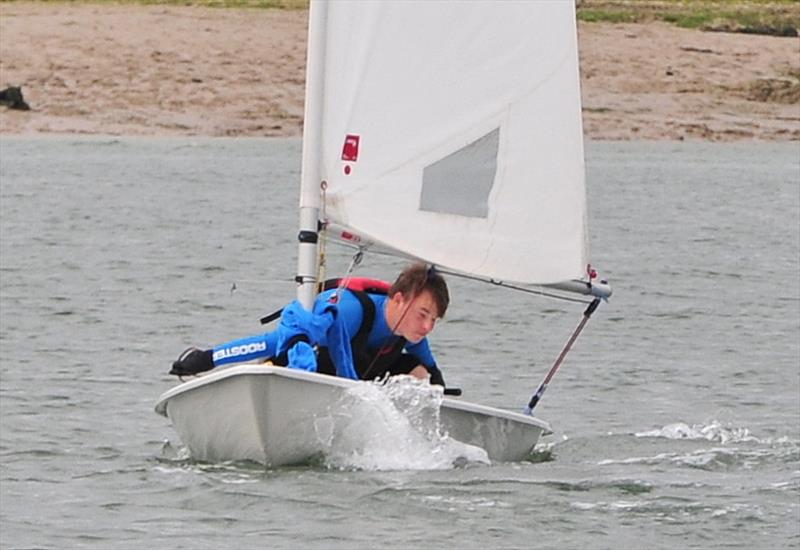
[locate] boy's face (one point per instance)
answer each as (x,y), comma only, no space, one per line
(420,317)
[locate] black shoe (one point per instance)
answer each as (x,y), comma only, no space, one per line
(193,361)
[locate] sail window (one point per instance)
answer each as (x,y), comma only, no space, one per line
(460,183)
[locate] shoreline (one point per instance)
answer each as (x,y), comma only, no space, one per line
(137,70)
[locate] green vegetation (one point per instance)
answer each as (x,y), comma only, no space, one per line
(774,17)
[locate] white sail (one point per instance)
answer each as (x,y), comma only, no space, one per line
(451,132)
(446,131)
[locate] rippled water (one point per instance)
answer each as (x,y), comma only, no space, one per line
(676,416)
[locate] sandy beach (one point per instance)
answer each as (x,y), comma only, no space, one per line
(186,71)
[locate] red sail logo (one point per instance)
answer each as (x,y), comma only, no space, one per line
(350,149)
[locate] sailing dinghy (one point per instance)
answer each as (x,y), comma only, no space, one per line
(444,132)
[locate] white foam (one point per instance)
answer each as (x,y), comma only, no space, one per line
(393,425)
(714,431)
(713,458)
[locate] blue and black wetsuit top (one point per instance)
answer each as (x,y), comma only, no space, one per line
(357,342)
(375,350)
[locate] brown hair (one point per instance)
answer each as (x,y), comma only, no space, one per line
(417,278)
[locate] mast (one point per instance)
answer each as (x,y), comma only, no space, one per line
(307,260)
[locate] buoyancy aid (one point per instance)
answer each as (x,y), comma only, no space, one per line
(364,284)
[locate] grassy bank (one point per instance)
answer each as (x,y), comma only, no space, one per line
(772,17)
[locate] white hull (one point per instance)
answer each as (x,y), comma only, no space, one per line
(267,415)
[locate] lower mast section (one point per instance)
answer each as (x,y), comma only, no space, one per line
(307,259)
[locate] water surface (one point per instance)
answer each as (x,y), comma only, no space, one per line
(676,416)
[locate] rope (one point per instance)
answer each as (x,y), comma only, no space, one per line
(494,282)
(518,288)
(323,234)
(392,336)
(344,281)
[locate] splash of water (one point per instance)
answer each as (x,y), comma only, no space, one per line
(713,431)
(392,425)
(733,447)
